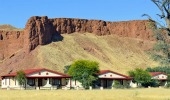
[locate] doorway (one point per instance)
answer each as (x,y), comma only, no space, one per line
(39,82)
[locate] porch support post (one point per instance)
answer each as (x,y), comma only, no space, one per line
(26,84)
(101,83)
(36,84)
(60,82)
(70,83)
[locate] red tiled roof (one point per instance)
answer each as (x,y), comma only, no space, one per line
(156,73)
(31,71)
(107,71)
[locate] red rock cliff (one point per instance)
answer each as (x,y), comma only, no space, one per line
(38,31)
(135,29)
(10,42)
(41,31)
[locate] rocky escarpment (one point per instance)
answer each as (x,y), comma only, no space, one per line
(10,42)
(15,45)
(41,30)
(38,31)
(136,29)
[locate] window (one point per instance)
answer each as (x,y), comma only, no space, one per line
(55,82)
(46,73)
(31,82)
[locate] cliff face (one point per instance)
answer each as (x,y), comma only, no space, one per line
(41,31)
(135,29)
(38,31)
(10,42)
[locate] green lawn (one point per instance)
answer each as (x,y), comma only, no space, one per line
(114,94)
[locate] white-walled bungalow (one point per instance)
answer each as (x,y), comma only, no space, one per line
(40,78)
(160,76)
(106,79)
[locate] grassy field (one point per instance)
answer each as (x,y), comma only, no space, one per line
(114,94)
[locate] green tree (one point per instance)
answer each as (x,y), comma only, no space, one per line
(21,78)
(159,69)
(168,81)
(140,76)
(161,50)
(84,71)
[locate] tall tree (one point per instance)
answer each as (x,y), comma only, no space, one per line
(21,78)
(140,76)
(84,71)
(161,50)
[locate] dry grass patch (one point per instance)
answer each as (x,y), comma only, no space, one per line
(115,94)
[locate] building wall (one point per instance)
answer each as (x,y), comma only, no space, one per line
(9,82)
(43,73)
(110,75)
(74,84)
(64,81)
(161,76)
(133,85)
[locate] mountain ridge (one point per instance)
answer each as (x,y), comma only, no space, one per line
(28,48)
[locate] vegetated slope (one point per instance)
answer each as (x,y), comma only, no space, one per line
(112,52)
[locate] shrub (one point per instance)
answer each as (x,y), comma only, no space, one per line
(168,85)
(152,83)
(118,85)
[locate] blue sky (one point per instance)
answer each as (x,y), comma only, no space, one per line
(17,12)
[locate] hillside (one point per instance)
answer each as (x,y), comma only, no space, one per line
(55,43)
(112,52)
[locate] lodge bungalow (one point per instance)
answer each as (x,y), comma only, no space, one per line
(106,79)
(161,77)
(43,78)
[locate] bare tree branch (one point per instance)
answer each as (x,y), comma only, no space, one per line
(159,5)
